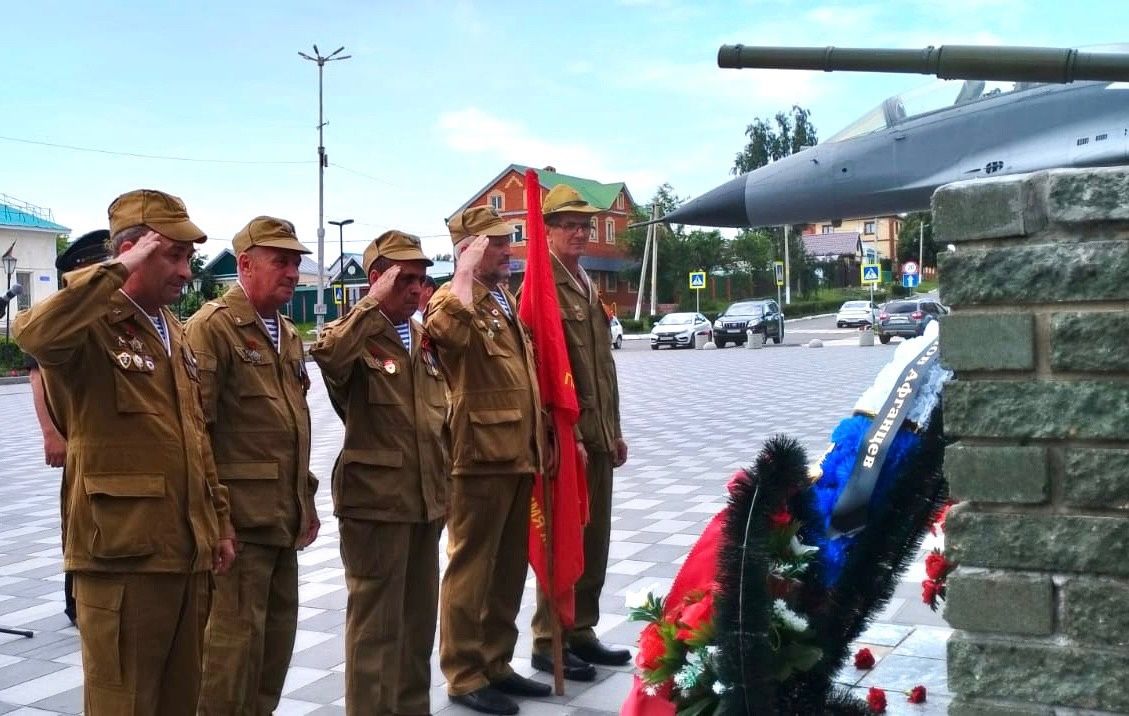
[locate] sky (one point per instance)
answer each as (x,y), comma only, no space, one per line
(437,98)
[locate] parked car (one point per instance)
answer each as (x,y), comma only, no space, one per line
(856,313)
(681,330)
(762,315)
(907,319)
(617,333)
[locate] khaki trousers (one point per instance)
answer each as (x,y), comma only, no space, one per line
(392,572)
(142,641)
(597,535)
(487,553)
(250,635)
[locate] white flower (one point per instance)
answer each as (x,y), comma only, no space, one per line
(651,690)
(799,549)
(638,600)
(790,619)
(719,688)
(687,676)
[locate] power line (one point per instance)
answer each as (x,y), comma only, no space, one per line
(137,155)
(367,176)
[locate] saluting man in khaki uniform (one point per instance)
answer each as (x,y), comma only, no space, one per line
(599,439)
(496,447)
(253,381)
(389,483)
(146,518)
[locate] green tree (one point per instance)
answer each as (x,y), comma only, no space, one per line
(769,141)
(910,235)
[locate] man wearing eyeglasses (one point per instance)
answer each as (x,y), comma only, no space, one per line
(599,438)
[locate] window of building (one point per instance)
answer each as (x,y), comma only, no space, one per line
(619,201)
(496,201)
(868,227)
(23,278)
(631,286)
(825,229)
(611,282)
(593,230)
(609,231)
(519,233)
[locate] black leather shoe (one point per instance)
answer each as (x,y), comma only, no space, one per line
(517,685)
(575,669)
(487,700)
(596,653)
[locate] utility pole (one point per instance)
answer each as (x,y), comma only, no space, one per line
(655,265)
(643,269)
(323,161)
(787,270)
(921,249)
(341,261)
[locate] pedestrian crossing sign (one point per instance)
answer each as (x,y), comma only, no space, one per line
(697,280)
(871,273)
(337,295)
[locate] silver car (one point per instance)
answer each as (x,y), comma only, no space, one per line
(681,330)
(856,313)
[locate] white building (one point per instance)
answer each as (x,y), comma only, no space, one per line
(29,232)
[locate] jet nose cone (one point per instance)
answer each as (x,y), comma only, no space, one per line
(723,206)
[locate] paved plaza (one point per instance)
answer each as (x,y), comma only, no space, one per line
(690,417)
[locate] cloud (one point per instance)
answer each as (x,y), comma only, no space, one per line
(475,131)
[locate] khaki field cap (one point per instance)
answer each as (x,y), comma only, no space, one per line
(394,245)
(563,198)
(268,231)
(161,212)
(478,221)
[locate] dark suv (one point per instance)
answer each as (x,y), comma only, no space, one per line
(906,318)
(762,315)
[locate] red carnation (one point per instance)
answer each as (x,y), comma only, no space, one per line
(917,695)
(936,566)
(876,700)
(695,615)
(651,648)
(780,518)
(864,659)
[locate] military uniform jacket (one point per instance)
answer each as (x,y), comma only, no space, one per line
(495,418)
(142,491)
(587,333)
(394,464)
(255,407)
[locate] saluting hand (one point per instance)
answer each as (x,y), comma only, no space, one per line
(133,257)
(381,289)
(223,556)
(472,256)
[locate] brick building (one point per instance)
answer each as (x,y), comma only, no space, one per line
(606,258)
(877,234)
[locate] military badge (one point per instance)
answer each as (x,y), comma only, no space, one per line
(190,362)
(138,361)
(149,364)
(390,366)
(123,359)
(136,344)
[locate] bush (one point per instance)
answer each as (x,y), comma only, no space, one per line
(12,359)
(630,325)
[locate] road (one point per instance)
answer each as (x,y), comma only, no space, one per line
(691,418)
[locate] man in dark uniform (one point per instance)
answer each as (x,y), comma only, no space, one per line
(496,446)
(599,438)
(87,249)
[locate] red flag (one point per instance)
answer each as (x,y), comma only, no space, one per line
(540,311)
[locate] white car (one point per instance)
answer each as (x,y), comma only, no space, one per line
(681,330)
(617,333)
(856,313)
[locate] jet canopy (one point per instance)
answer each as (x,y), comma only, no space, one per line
(930,97)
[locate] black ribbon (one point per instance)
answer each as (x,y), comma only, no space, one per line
(849,514)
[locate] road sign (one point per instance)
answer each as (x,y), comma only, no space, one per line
(319,309)
(779,267)
(337,297)
(697,280)
(871,273)
(909,267)
(910,280)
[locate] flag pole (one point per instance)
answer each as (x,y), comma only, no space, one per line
(554,618)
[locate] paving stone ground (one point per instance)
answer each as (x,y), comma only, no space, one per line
(691,418)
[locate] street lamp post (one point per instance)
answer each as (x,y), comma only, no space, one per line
(9,269)
(921,249)
(341,261)
(319,305)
